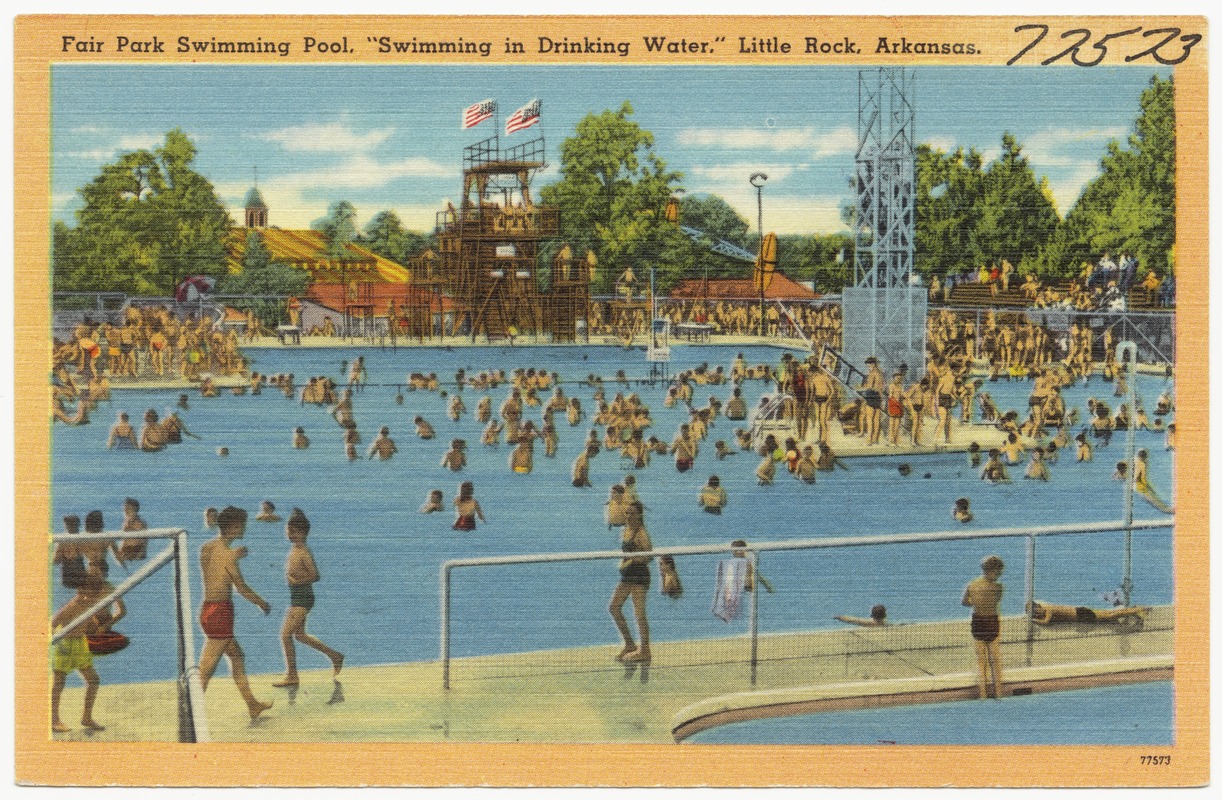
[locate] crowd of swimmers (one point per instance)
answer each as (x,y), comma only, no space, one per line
(616,421)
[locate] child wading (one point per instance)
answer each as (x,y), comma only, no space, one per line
(301,574)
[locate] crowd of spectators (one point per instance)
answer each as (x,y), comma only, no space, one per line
(1107,284)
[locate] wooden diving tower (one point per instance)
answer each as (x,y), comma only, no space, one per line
(489,250)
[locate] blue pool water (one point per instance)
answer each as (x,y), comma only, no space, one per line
(378,601)
(1141,713)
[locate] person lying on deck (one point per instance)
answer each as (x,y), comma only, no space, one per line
(1049,614)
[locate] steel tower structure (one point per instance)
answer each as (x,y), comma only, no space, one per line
(884,312)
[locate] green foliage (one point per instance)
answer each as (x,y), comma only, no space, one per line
(262,276)
(339,228)
(386,236)
(612,196)
(147,222)
(817,258)
(1130,206)
(1016,216)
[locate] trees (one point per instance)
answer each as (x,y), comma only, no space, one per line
(1130,206)
(147,222)
(386,236)
(338,228)
(949,189)
(1016,216)
(612,196)
(262,276)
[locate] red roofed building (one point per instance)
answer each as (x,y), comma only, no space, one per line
(359,288)
(781,288)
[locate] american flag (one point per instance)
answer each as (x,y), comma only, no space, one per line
(477,113)
(523,118)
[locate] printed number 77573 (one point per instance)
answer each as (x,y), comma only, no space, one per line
(1156,761)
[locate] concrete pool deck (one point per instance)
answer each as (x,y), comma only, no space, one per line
(581,695)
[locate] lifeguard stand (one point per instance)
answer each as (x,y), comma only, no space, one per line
(490,244)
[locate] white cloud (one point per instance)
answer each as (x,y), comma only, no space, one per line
(1046,148)
(943,143)
(333,137)
(105,151)
(818,144)
(140,141)
(732,173)
(1068,185)
(292,197)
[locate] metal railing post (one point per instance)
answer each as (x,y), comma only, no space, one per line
(445,626)
(191,690)
(1128,358)
(1029,588)
(755,604)
(1029,533)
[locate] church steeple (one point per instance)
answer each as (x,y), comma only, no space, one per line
(256,209)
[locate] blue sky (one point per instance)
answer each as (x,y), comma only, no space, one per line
(387,137)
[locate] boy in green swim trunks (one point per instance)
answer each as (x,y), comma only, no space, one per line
(301,573)
(71,654)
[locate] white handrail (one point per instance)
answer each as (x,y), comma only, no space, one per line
(192,723)
(753,550)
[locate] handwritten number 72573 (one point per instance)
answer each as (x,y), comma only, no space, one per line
(1172,48)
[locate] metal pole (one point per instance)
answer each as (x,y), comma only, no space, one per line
(757,180)
(1029,588)
(1128,359)
(755,584)
(445,626)
(194,728)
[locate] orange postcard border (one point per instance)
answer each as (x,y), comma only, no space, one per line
(40,760)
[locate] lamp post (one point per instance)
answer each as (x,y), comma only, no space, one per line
(757,180)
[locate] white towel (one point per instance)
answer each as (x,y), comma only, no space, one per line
(728,591)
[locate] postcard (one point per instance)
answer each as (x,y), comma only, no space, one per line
(611,401)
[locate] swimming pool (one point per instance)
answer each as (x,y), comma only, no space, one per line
(1142,712)
(378,601)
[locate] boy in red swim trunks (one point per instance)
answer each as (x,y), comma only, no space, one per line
(218,562)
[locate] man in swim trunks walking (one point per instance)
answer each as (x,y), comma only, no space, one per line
(218,562)
(301,574)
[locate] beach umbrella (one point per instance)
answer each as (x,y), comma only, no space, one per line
(194,288)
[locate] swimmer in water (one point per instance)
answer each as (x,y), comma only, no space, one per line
(467,508)
(423,429)
(267,512)
(994,471)
(300,440)
(383,446)
(121,435)
(877,618)
(433,504)
(712,497)
(1141,483)
(962,511)
(1085,451)
(581,468)
(1037,470)
(455,458)
(522,459)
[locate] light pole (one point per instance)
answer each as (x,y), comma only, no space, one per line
(757,180)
